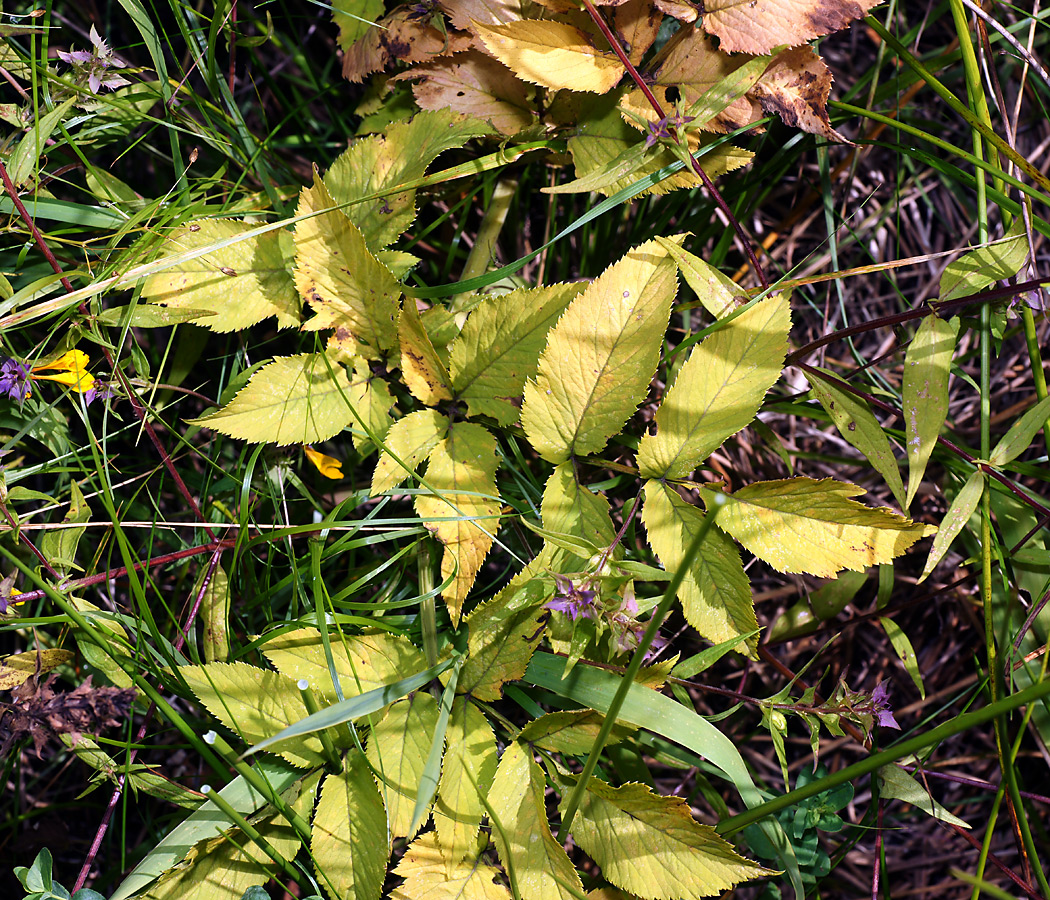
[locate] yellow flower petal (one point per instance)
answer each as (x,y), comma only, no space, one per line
(70,367)
(70,361)
(328,466)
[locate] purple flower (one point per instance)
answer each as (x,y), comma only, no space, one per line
(665,129)
(93,66)
(14,379)
(880,705)
(101,390)
(571,601)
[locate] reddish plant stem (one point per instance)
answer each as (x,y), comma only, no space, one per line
(716,195)
(136,404)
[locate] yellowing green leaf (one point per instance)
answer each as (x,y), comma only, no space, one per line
(502,636)
(431,874)
(569,508)
(552,54)
(719,294)
(214,612)
(363,662)
(463,506)
(353,18)
(716,593)
(600,357)
(59,545)
(803,525)
(757,26)
(371,399)
(536,861)
(348,840)
(242,283)
(424,372)
(381,164)
(954,520)
(410,439)
(18,668)
(398,749)
(858,425)
(468,767)
(681,858)
(718,391)
(1020,435)
(255,704)
(925,394)
(500,345)
(349,290)
(570,731)
(292,400)
(996,261)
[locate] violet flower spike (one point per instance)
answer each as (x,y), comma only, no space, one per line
(880,704)
(14,379)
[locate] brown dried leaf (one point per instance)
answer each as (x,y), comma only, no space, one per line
(679,9)
(475,84)
(796,87)
(398,38)
(636,24)
(488,12)
(757,26)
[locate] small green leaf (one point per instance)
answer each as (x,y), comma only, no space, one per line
(804,525)
(235,286)
(996,261)
(925,394)
(902,646)
(958,515)
(896,784)
(462,507)
(1020,435)
(718,391)
(348,841)
(682,858)
(500,345)
(214,612)
(716,592)
(292,400)
(719,294)
(536,863)
(410,440)
(397,750)
(59,545)
(858,425)
(23,159)
(600,357)
(572,510)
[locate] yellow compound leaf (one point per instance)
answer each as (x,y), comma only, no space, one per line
(363,662)
(234,286)
(348,841)
(468,767)
(20,667)
(652,846)
(431,874)
(424,372)
(410,439)
(555,55)
(348,289)
(540,867)
(463,506)
(600,357)
(757,26)
(716,593)
(804,525)
(397,749)
(718,391)
(371,400)
(292,400)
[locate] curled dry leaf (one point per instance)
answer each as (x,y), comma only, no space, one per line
(398,38)
(796,87)
(679,9)
(475,84)
(636,24)
(757,26)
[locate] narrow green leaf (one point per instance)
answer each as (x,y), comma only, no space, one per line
(716,592)
(682,858)
(23,159)
(925,394)
(428,779)
(236,286)
(538,863)
(570,731)
(996,261)
(1020,435)
(719,294)
(902,646)
(896,784)
(958,515)
(500,345)
(349,841)
(858,425)
(59,545)
(409,440)
(600,357)
(805,525)
(292,400)
(214,613)
(469,767)
(718,391)
(397,750)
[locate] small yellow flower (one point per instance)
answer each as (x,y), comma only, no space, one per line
(328,466)
(70,370)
